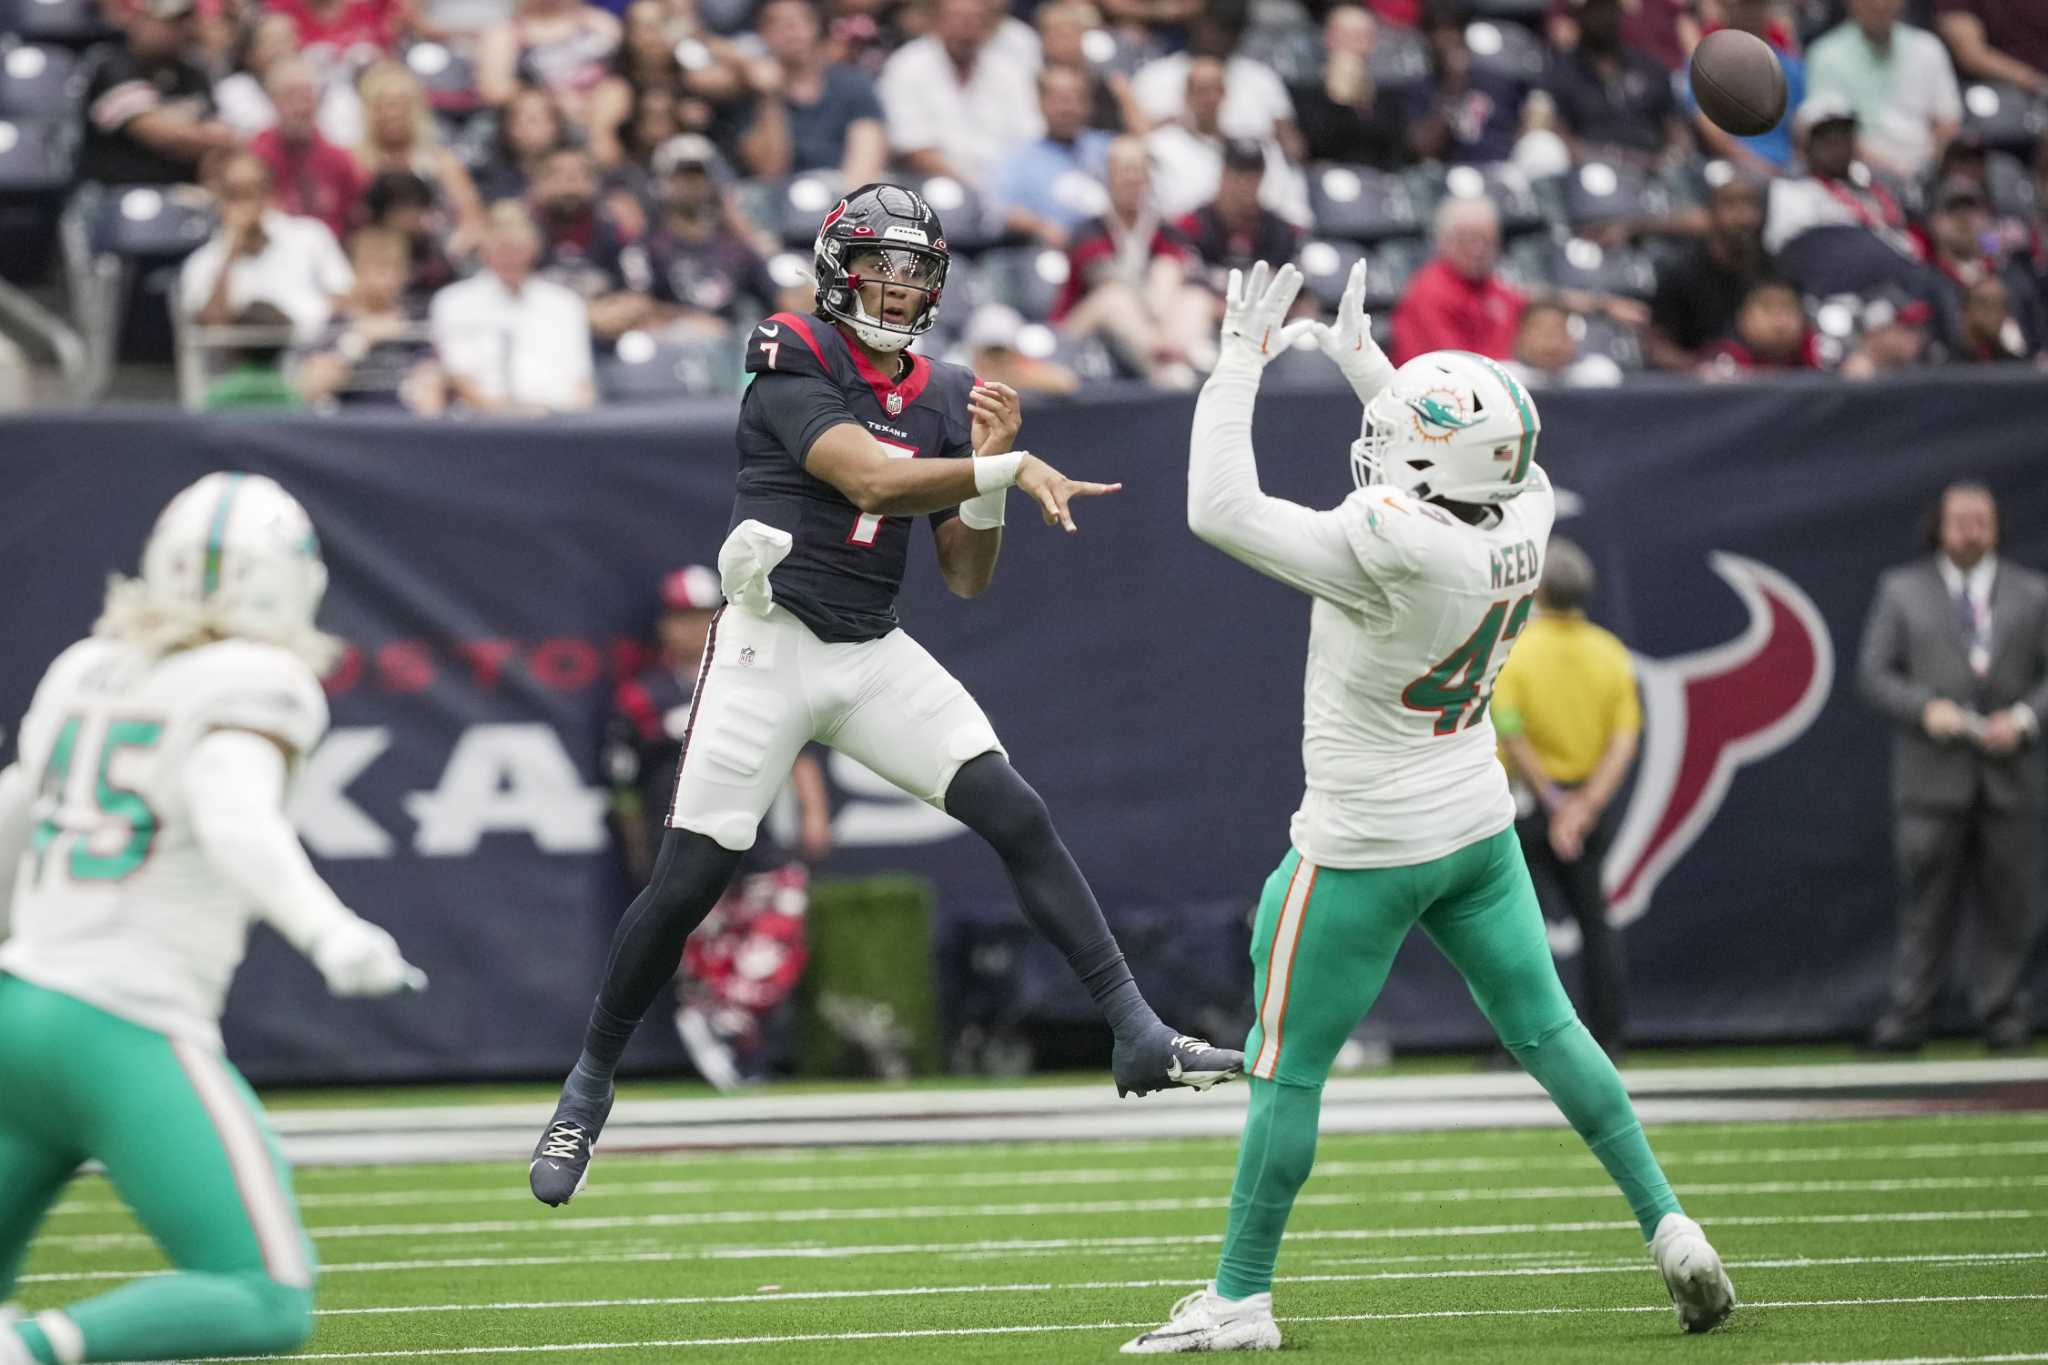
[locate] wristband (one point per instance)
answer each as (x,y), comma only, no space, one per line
(985,512)
(994,473)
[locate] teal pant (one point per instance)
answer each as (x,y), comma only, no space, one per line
(1323,943)
(186,1146)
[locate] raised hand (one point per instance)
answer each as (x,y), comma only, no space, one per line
(1349,343)
(998,415)
(1255,326)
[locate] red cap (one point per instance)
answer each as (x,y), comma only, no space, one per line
(691,588)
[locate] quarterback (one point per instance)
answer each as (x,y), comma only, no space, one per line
(1421,580)
(846,438)
(141,827)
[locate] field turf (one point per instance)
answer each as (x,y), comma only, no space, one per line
(1907,1239)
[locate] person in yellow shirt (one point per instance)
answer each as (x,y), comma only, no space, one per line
(1566,711)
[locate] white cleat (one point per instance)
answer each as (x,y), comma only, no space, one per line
(1692,1270)
(1206,1321)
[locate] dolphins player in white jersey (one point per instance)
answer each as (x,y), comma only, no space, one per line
(141,827)
(1421,580)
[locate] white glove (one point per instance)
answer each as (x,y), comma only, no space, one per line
(1255,326)
(1349,343)
(749,554)
(357,958)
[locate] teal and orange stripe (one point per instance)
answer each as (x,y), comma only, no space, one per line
(216,537)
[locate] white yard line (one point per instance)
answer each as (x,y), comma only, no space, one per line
(1039,1328)
(802,1251)
(510,1192)
(1632,1266)
(1076,1208)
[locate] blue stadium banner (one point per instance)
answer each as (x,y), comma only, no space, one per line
(493,578)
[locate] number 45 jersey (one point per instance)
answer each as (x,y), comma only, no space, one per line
(115,903)
(844,566)
(1396,742)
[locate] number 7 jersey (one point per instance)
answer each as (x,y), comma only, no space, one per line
(116,903)
(1397,746)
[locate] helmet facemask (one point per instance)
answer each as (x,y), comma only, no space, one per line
(899,269)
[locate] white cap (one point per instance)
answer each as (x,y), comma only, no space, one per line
(1825,107)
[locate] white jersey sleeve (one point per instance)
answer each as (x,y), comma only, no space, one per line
(248,686)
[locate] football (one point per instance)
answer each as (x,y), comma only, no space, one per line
(1738,83)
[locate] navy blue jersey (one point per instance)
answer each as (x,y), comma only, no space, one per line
(844,570)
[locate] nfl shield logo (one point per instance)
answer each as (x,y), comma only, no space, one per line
(894,403)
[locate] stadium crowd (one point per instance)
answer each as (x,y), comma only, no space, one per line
(537,205)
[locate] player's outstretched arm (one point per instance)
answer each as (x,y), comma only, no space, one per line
(15,796)
(1302,548)
(234,784)
(853,462)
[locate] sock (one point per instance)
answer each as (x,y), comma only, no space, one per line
(178,1316)
(1102,969)
(1585,1086)
(1273,1163)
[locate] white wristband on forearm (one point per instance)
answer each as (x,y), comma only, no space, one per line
(985,512)
(994,473)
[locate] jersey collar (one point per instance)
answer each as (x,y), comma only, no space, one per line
(894,398)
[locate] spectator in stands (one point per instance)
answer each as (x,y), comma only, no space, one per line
(1997,40)
(957,104)
(1612,99)
(314,178)
(563,46)
(1837,228)
(244,101)
(1698,294)
(1188,152)
(374,351)
(1047,188)
(1127,281)
(1952,658)
(1456,302)
(1347,115)
(1234,230)
(864,34)
(993,352)
(1770,334)
(693,274)
(254,380)
(1547,354)
(1255,103)
(259,253)
(149,110)
(346,32)
(1463,113)
(809,112)
(1064,29)
(1984,330)
(1152,23)
(1962,253)
(1893,336)
(1769,153)
(529,128)
(1666,30)
(401,202)
(662,67)
(511,343)
(399,135)
(578,235)
(1897,79)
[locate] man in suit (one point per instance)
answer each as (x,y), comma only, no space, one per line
(1955,655)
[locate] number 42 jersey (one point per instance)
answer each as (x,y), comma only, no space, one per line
(116,903)
(1397,746)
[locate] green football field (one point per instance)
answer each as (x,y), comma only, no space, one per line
(1922,1239)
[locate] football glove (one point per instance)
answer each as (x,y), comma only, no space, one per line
(1349,341)
(1255,326)
(356,957)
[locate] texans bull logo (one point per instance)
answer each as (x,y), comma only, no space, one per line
(1706,715)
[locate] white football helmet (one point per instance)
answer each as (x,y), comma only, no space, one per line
(1450,424)
(238,553)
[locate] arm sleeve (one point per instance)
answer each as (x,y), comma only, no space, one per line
(1880,663)
(797,408)
(1304,549)
(234,784)
(14,832)
(1627,717)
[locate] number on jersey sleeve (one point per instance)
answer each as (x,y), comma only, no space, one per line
(1462,682)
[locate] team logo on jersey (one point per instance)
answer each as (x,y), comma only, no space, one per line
(1439,414)
(1708,714)
(894,404)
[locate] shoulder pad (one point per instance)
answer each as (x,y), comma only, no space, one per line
(245,685)
(789,343)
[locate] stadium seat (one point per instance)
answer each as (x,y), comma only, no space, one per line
(37,80)
(800,204)
(1522,11)
(971,221)
(1303,365)
(1326,264)
(1394,263)
(2004,116)
(1507,50)
(1361,203)
(1292,46)
(644,370)
(73,23)
(1526,262)
(1400,58)
(1580,264)
(37,157)
(448,77)
(2012,186)
(147,223)
(1599,335)
(1027,278)
(1512,193)
(1602,192)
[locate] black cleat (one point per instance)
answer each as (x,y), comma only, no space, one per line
(561,1162)
(1160,1058)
